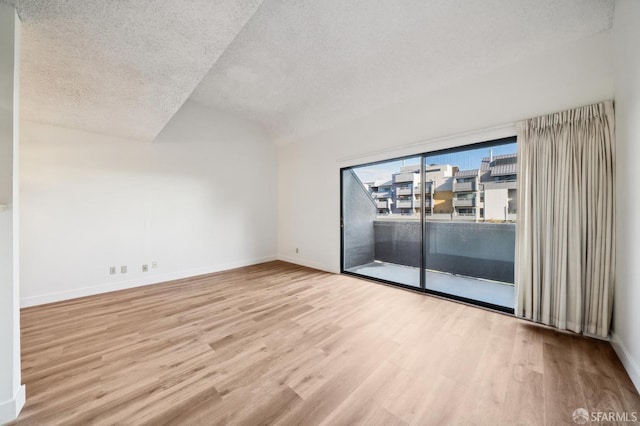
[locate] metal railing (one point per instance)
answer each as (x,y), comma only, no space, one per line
(464,186)
(464,202)
(404,204)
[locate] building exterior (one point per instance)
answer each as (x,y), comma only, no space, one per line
(484,194)
(383,195)
(467,200)
(402,194)
(439,181)
(488,193)
(406,186)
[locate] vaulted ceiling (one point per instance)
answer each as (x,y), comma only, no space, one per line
(120,67)
(296,66)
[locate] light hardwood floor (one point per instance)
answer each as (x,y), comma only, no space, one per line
(279,343)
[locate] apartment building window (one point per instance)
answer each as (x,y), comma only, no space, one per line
(453,235)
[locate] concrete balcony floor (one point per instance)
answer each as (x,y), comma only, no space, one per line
(496,293)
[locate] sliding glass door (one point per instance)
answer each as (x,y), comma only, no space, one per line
(469,234)
(442,222)
(381,221)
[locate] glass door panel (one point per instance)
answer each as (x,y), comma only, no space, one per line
(469,229)
(382,228)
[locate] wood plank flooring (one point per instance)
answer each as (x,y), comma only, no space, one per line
(281,344)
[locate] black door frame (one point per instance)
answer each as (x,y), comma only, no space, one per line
(422,288)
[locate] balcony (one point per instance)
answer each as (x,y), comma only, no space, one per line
(404,177)
(383,204)
(466,259)
(464,202)
(381,194)
(429,189)
(484,291)
(464,186)
(404,191)
(428,202)
(404,204)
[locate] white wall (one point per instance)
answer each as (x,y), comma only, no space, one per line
(572,75)
(626,322)
(496,204)
(200,198)
(12,394)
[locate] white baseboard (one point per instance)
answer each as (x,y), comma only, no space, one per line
(627,361)
(308,263)
(10,409)
(122,285)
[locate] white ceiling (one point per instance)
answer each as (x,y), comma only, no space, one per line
(296,66)
(120,67)
(304,66)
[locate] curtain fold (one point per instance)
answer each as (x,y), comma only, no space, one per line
(565,248)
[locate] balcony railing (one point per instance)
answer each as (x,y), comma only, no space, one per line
(428,202)
(404,191)
(404,204)
(385,194)
(417,189)
(464,186)
(481,250)
(383,204)
(464,202)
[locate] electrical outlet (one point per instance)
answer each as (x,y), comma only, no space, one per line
(123,269)
(154,264)
(297,251)
(112,270)
(145,267)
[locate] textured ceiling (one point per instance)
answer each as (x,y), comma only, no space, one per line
(303,66)
(120,67)
(124,67)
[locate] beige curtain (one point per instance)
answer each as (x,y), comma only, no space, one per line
(565,248)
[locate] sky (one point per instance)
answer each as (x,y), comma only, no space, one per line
(469,159)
